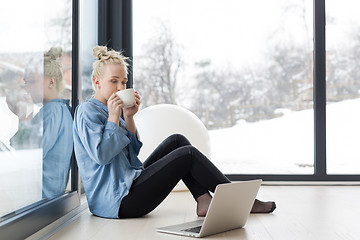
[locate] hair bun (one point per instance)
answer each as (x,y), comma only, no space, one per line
(99,52)
(54,53)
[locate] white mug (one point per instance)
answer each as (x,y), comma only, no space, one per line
(127,96)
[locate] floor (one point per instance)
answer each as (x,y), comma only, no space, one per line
(303,212)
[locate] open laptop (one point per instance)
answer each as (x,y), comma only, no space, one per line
(228,210)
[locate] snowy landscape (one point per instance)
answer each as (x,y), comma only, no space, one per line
(285,145)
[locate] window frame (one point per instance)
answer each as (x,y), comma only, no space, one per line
(319,73)
(24,222)
(319,96)
(116,30)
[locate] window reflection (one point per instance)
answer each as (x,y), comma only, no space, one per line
(51,127)
(44,129)
(20,160)
(35,90)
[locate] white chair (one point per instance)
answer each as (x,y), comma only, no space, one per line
(157,122)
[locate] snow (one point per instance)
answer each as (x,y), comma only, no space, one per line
(285,145)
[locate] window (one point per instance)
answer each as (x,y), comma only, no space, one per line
(245,68)
(36,73)
(89,36)
(343,86)
(36,134)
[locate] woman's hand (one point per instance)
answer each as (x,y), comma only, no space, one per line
(114,105)
(130,112)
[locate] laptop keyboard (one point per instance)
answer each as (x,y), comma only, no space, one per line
(193,229)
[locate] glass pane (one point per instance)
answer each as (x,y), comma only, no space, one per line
(343,86)
(89,39)
(243,67)
(35,116)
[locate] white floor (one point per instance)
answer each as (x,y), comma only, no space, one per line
(303,212)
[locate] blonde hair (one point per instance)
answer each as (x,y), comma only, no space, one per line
(53,68)
(48,64)
(104,56)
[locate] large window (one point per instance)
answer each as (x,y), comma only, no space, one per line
(245,68)
(38,70)
(35,90)
(343,86)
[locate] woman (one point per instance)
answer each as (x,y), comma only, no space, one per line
(116,183)
(51,127)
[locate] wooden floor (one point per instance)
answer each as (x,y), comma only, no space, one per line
(303,212)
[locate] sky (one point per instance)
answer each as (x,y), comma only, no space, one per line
(22,27)
(205,27)
(238,34)
(23,24)
(210,29)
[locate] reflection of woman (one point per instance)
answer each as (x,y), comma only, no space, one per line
(55,136)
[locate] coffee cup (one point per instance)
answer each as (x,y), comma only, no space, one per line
(127,96)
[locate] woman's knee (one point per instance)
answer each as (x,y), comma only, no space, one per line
(195,154)
(191,153)
(181,139)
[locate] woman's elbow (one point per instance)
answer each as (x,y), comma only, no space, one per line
(101,159)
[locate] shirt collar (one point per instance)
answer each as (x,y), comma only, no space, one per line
(98,103)
(60,100)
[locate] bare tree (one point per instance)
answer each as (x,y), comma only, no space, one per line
(59,27)
(254,93)
(223,96)
(343,69)
(157,70)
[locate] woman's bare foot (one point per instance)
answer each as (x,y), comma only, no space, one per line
(263,207)
(203,203)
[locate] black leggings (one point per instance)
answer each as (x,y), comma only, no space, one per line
(174,159)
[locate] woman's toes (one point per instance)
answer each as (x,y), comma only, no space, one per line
(263,207)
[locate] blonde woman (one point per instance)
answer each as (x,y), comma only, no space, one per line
(116,183)
(51,128)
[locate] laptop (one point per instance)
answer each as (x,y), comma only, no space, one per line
(228,210)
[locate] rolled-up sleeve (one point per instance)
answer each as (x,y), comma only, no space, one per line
(136,144)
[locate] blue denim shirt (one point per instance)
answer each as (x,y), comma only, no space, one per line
(52,128)
(107,158)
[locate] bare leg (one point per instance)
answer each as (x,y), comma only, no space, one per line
(203,203)
(263,207)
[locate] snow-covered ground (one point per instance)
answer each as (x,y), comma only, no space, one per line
(285,145)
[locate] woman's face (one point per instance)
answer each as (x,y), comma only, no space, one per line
(34,85)
(112,80)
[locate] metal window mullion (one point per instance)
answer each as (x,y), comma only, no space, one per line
(115,30)
(319,88)
(75,83)
(103,22)
(127,36)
